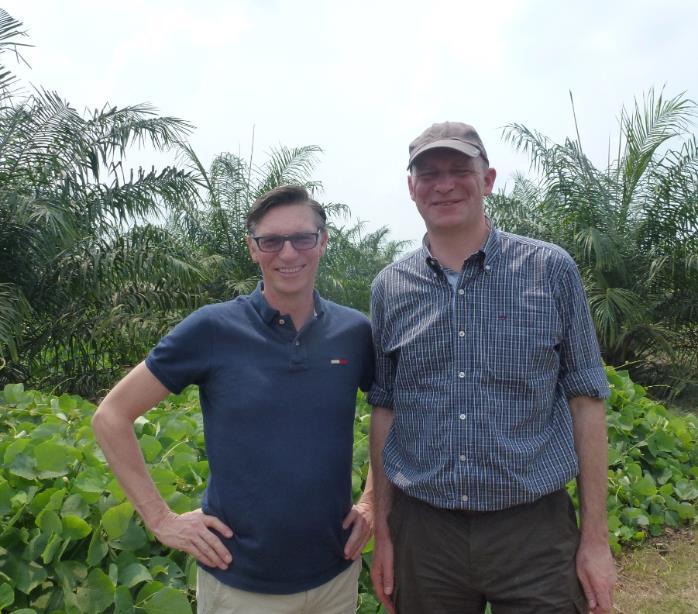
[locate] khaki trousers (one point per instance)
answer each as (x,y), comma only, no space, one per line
(338,596)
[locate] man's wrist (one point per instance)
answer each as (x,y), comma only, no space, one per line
(153,512)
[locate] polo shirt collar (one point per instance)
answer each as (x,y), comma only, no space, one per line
(268,313)
(489,252)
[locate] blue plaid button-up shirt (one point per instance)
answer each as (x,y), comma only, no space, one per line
(479,374)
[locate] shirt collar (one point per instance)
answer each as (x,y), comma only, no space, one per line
(268,313)
(489,251)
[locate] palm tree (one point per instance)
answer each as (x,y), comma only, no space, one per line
(632,227)
(216,231)
(78,244)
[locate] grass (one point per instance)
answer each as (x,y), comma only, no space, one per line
(660,577)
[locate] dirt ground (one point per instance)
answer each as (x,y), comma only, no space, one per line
(660,577)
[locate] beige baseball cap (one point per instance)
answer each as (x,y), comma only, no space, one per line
(448,135)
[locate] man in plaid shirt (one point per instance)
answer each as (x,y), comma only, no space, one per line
(488,399)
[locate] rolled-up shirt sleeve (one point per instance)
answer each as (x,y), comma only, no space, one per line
(581,368)
(381,393)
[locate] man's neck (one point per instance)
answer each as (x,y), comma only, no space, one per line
(300,308)
(453,247)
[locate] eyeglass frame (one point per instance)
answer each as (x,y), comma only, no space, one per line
(288,238)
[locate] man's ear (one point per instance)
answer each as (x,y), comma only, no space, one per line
(410,186)
(490,176)
(324,237)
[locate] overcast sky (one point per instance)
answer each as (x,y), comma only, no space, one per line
(362,78)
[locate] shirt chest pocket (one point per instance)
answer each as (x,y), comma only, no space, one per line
(522,344)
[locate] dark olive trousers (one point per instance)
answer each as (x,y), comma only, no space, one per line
(521,560)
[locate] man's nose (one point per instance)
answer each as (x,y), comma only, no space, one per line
(444,183)
(287,250)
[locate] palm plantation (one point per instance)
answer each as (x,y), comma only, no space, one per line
(631,227)
(98,261)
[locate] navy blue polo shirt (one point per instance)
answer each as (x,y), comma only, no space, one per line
(278,410)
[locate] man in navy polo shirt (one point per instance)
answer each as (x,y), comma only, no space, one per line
(278,372)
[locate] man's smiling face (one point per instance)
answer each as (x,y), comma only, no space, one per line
(449,187)
(289,273)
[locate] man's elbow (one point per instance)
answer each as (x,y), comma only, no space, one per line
(105,422)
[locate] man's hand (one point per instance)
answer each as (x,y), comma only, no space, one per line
(191,533)
(360,519)
(597,573)
(382,574)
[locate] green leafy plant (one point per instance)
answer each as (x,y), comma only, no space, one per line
(70,541)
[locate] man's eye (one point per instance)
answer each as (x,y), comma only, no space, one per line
(427,175)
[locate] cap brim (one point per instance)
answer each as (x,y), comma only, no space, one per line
(465,148)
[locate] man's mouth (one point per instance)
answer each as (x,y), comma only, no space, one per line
(289,270)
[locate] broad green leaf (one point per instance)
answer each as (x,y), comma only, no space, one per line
(134,574)
(53,545)
(686,511)
(53,459)
(24,466)
(14,393)
(97,593)
(14,449)
(123,602)
(164,565)
(90,481)
(50,498)
(179,503)
(174,429)
(6,494)
(183,459)
(75,527)
(97,549)
(70,573)
(75,505)
(115,520)
(645,487)
(67,402)
(191,572)
(26,575)
(165,480)
(150,446)
(49,522)
(167,601)
(148,589)
(133,539)
(686,490)
(7,595)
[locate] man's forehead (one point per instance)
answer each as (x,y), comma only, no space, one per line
(439,156)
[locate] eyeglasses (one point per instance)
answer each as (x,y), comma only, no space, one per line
(300,241)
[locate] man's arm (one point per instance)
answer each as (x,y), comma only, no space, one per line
(382,568)
(112,423)
(595,565)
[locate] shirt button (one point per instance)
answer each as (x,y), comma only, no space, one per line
(298,342)
(461,374)
(461,291)
(282,321)
(462,457)
(464,498)
(462,417)
(461,333)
